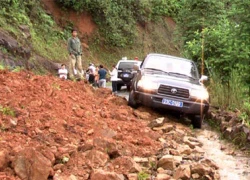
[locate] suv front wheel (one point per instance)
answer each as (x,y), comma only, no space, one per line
(197,120)
(131,99)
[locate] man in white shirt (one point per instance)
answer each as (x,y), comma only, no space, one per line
(63,72)
(91,71)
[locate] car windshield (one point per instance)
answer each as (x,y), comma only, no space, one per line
(173,66)
(127,65)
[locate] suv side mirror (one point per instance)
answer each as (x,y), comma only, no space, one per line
(203,78)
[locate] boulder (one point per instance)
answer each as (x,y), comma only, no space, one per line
(200,169)
(96,158)
(127,164)
(183,172)
(169,162)
(31,164)
(104,175)
(107,146)
(210,163)
(156,123)
(4,159)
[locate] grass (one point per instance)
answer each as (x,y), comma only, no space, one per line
(7,111)
(143,175)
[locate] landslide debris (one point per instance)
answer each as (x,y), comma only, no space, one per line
(63,130)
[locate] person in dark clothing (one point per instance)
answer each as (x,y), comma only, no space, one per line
(102,76)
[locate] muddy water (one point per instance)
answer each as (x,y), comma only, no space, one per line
(233,164)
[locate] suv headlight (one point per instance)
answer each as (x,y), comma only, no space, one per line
(199,94)
(147,84)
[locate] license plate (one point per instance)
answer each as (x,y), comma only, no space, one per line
(172,103)
(125,75)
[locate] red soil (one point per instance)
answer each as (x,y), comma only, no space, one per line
(52,113)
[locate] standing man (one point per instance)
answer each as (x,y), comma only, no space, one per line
(114,75)
(102,76)
(75,52)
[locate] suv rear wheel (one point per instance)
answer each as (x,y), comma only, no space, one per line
(131,100)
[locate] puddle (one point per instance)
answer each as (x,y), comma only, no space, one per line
(234,165)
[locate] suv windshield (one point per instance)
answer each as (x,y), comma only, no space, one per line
(127,65)
(173,66)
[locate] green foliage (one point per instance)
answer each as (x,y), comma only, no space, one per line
(7,111)
(117,20)
(143,175)
(46,38)
(222,29)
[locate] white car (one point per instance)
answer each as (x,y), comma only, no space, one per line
(126,70)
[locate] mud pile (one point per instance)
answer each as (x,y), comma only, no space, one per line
(62,130)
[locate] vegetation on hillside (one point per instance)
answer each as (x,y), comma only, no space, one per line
(46,37)
(117,20)
(219,33)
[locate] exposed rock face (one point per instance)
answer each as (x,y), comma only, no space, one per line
(31,164)
(232,127)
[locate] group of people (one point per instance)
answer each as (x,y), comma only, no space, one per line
(95,75)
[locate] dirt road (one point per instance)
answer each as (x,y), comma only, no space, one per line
(233,164)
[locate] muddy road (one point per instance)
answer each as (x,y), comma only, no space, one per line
(233,164)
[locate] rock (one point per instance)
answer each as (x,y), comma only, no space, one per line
(59,176)
(162,177)
(108,133)
(127,164)
(90,132)
(85,147)
(67,149)
(192,144)
(104,175)
(167,162)
(200,169)
(58,167)
(156,123)
(141,115)
(183,172)
(140,160)
(210,163)
(165,128)
(106,146)
(132,176)
(96,158)
(4,159)
(31,164)
(185,149)
(79,112)
(26,31)
(195,176)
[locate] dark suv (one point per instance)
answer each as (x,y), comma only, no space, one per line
(172,83)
